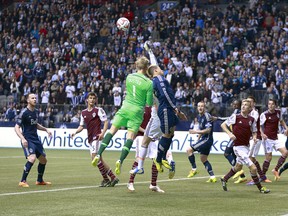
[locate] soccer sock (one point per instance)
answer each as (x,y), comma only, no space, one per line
(280,163)
(154,175)
(142,154)
(191,158)
(166,147)
(111,174)
(102,170)
(26,171)
(41,170)
(126,149)
(208,167)
(231,159)
(283,168)
(132,176)
(169,157)
(256,181)
(259,170)
(163,146)
(229,174)
(105,142)
(265,166)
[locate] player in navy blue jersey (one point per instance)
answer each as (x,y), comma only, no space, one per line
(204,143)
(26,129)
(167,112)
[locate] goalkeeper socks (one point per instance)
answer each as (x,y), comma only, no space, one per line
(26,171)
(105,142)
(126,149)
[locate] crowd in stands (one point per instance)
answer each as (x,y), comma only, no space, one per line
(62,50)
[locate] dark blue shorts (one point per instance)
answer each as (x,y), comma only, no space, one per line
(203,146)
(168,120)
(34,147)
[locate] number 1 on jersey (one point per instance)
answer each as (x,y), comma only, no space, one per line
(134,91)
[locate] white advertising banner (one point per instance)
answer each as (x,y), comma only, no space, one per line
(61,139)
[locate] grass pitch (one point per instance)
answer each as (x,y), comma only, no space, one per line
(75,191)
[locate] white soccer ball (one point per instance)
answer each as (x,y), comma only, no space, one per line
(123,24)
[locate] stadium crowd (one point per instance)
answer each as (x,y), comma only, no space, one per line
(62,50)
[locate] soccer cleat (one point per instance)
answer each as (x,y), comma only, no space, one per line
(192,173)
(172,170)
(156,189)
(158,165)
(240,180)
(118,167)
(224,184)
(251,182)
(264,190)
(137,171)
(166,164)
(114,182)
(23,184)
(43,183)
(95,160)
(105,183)
(276,174)
(238,174)
(130,187)
(212,180)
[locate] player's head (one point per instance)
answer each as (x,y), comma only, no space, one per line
(142,64)
(252,100)
(272,104)
(236,104)
(31,99)
(201,107)
(154,70)
(245,106)
(91,98)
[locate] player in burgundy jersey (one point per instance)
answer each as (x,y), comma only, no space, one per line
(243,127)
(269,121)
(92,117)
(255,147)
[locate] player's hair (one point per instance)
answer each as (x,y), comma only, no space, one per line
(275,102)
(142,63)
(151,69)
(92,94)
(238,102)
(252,97)
(27,96)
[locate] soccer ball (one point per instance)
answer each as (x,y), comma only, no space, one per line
(123,24)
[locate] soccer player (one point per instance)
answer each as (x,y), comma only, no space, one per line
(26,129)
(167,111)
(93,116)
(151,134)
(243,126)
(255,147)
(285,166)
(204,143)
(269,121)
(229,153)
(139,92)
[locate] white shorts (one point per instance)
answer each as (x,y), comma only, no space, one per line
(152,147)
(153,129)
(255,147)
(94,147)
(269,145)
(242,153)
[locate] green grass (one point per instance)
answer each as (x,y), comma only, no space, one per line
(75,189)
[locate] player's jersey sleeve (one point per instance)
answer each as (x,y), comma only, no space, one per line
(231,120)
(254,126)
(102,114)
(82,120)
(262,119)
(208,120)
(20,117)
